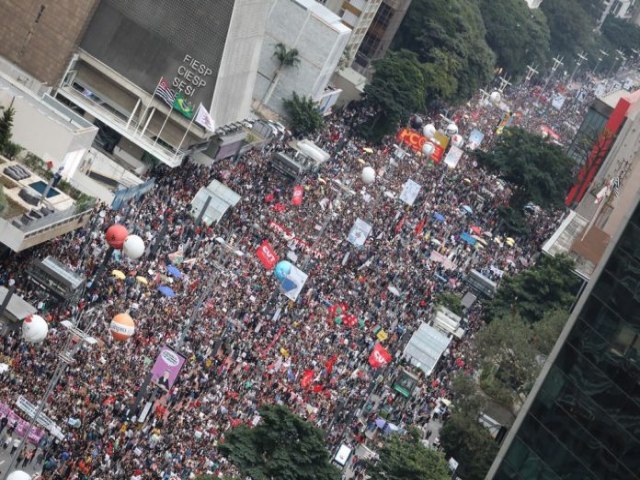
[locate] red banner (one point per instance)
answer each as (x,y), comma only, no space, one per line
(267,255)
(307,378)
(412,138)
(379,356)
(298,194)
(416,141)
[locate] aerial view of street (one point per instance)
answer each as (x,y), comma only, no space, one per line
(319,240)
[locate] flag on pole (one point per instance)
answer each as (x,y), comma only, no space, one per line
(163,90)
(181,104)
(204,119)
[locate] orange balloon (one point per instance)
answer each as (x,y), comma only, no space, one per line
(122,327)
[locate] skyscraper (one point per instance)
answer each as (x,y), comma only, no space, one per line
(582,418)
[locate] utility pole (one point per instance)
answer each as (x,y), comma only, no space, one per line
(602,55)
(504,83)
(65,358)
(619,55)
(531,71)
(581,58)
(557,62)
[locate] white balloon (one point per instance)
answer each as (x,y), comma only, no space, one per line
(34,329)
(457,140)
(452,129)
(495,97)
(368,175)
(428,148)
(133,247)
(429,130)
(19,475)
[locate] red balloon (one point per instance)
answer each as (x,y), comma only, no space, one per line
(116,235)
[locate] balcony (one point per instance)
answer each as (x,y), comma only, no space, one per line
(118,122)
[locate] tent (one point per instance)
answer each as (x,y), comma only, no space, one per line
(216,198)
(18,308)
(425,348)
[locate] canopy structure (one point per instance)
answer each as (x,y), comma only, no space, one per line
(311,150)
(18,308)
(425,348)
(448,322)
(215,199)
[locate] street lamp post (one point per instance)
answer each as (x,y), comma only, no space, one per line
(118,238)
(65,359)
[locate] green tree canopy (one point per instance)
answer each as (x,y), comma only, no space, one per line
(570,25)
(466,440)
(509,358)
(518,35)
(547,330)
(451,35)
(396,90)
(622,35)
(405,458)
(6,123)
(282,446)
(540,170)
(549,285)
(303,114)
(466,395)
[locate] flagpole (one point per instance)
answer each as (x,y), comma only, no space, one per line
(146,109)
(163,124)
(185,135)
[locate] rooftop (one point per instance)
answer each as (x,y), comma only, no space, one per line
(46,104)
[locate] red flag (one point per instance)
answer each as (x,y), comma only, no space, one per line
(267,255)
(298,194)
(400,225)
(349,320)
(317,388)
(379,356)
(330,363)
(420,227)
(307,378)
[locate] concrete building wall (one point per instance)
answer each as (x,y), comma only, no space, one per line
(42,132)
(40,36)
(236,79)
(320,39)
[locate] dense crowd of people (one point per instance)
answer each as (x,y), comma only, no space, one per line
(246,344)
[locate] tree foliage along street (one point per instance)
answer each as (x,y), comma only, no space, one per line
(549,285)
(6,123)
(405,458)
(623,35)
(449,37)
(518,35)
(570,25)
(508,358)
(397,90)
(303,114)
(282,446)
(469,442)
(540,171)
(510,350)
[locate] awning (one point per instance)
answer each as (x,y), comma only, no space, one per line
(219,197)
(18,308)
(425,348)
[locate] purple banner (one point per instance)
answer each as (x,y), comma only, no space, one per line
(167,367)
(22,426)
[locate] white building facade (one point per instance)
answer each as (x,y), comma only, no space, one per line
(320,38)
